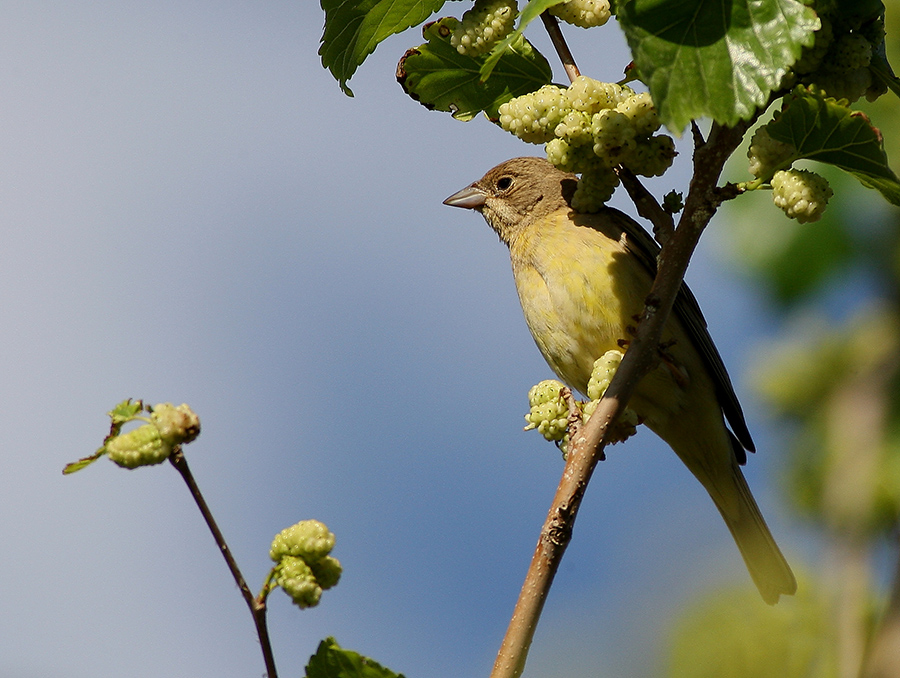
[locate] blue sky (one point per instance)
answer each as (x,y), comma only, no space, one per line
(194,212)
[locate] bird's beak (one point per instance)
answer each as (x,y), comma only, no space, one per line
(470,198)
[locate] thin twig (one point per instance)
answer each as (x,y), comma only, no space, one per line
(696,134)
(586,447)
(647,206)
(559,43)
(257,605)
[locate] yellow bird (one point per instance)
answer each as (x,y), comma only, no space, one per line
(582,279)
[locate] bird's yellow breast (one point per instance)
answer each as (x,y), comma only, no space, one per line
(579,288)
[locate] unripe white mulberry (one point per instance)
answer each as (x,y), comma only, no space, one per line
(850,51)
(176,425)
(575,128)
(614,136)
(604,369)
(651,158)
(641,112)
(142,446)
(767,154)
(534,117)
(595,187)
(549,412)
(308,539)
(483,26)
(583,13)
(801,194)
(592,96)
(327,571)
(571,158)
(843,84)
(298,581)
(812,56)
(303,567)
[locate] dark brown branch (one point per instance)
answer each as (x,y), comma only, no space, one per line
(257,606)
(559,43)
(696,134)
(647,206)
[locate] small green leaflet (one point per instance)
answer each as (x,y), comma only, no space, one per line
(439,77)
(707,58)
(121,414)
(353,28)
(332,661)
(822,129)
(74,466)
(125,411)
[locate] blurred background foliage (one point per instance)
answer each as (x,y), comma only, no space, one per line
(832,378)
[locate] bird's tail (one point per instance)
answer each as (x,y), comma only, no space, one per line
(765,562)
(712,460)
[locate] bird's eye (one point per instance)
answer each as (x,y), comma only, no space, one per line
(503,183)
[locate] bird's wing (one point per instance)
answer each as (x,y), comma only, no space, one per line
(687,310)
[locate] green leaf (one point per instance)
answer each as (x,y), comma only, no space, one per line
(332,661)
(353,28)
(121,414)
(708,58)
(529,13)
(826,130)
(84,461)
(439,77)
(125,411)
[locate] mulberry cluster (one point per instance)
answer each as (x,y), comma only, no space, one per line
(303,567)
(838,62)
(483,26)
(152,443)
(768,155)
(801,194)
(583,13)
(589,128)
(549,413)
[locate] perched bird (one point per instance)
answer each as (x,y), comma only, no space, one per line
(582,279)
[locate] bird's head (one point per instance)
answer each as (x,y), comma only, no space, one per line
(515,193)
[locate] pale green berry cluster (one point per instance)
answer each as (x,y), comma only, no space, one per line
(141,447)
(604,369)
(768,155)
(590,128)
(153,443)
(483,26)
(838,62)
(308,538)
(175,424)
(303,567)
(802,194)
(549,413)
(583,13)
(534,117)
